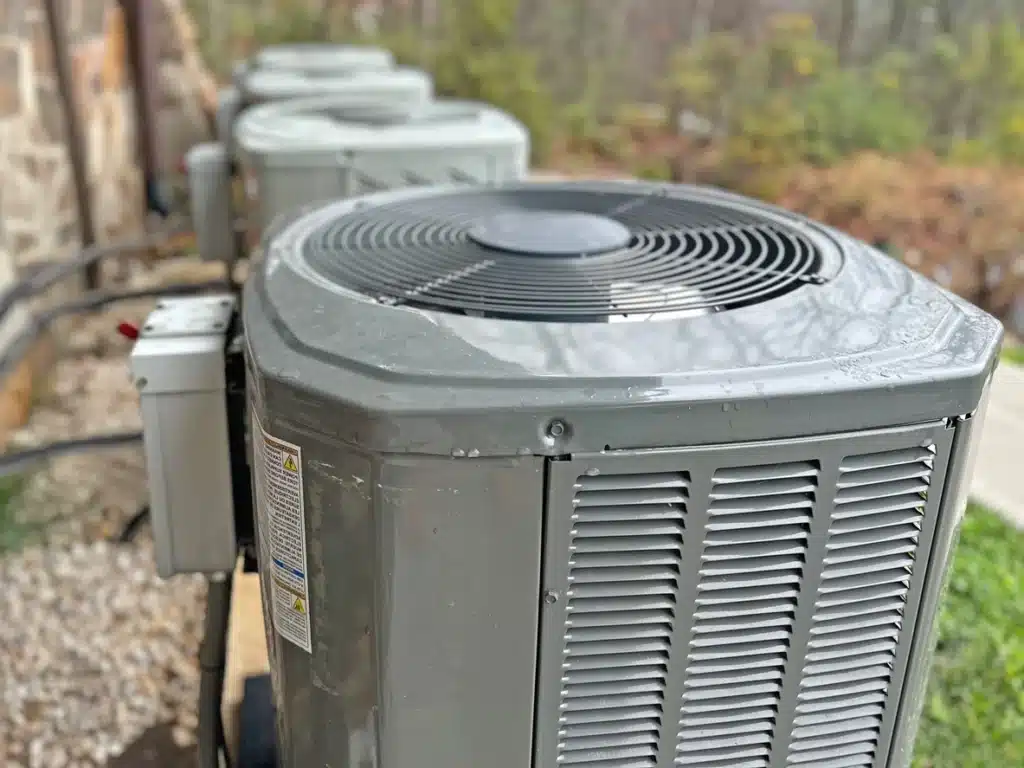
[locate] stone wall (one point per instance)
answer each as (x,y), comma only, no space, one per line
(37,204)
(38,214)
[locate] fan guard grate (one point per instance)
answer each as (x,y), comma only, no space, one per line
(566,254)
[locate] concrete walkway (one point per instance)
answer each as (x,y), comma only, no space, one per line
(999,469)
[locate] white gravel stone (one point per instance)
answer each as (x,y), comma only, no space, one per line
(95,648)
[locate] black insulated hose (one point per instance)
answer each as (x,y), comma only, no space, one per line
(212,662)
(38,324)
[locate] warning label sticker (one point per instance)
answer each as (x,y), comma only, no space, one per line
(278,475)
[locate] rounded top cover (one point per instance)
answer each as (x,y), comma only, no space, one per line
(353,123)
(323,58)
(263,85)
(507,307)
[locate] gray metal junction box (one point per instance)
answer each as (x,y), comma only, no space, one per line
(612,475)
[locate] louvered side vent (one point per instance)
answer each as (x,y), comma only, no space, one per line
(858,616)
(759,520)
(627,538)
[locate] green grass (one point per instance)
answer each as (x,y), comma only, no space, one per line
(1013,355)
(974,716)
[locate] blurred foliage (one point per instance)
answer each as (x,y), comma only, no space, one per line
(1013,355)
(786,99)
(905,139)
(475,54)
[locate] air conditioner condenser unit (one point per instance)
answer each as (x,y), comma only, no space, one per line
(304,151)
(604,475)
(257,86)
(210,166)
(301,61)
(324,58)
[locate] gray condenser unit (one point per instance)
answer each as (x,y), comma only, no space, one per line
(603,475)
(297,64)
(210,165)
(319,58)
(302,151)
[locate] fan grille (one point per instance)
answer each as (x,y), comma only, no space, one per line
(683,254)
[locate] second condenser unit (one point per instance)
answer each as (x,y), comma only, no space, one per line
(297,152)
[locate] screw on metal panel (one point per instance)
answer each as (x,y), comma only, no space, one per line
(147,327)
(141,382)
(551,597)
(556,428)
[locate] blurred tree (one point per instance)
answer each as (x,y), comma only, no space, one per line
(847,30)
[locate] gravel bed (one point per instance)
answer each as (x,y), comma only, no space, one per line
(95,649)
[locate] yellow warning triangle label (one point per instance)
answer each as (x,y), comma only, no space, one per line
(299,605)
(289,463)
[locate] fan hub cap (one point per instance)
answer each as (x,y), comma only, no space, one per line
(550,233)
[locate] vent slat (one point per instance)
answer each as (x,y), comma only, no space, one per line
(736,650)
(749,582)
(620,559)
(884,475)
(642,587)
(874,509)
(725,756)
(631,513)
(803,469)
(606,728)
(631,483)
(867,553)
(861,608)
(782,503)
(625,553)
(745,594)
(603,604)
(642,646)
(582,619)
(746,676)
(742,550)
(851,465)
(825,718)
(748,489)
(608,575)
(751,717)
(744,662)
(609,717)
(867,621)
(742,623)
(667,497)
(772,578)
(630,534)
(879,535)
(727,610)
(858,619)
(620,661)
(861,494)
(634,673)
(745,532)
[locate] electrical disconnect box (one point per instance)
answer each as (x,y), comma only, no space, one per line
(178,364)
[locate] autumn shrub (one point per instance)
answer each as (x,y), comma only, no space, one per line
(785,96)
(476,54)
